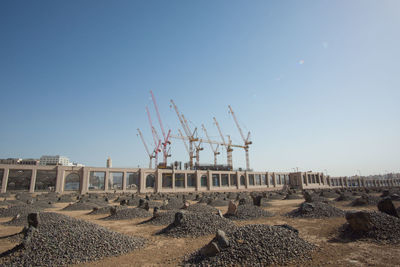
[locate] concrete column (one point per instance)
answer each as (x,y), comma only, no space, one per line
(319,178)
(124,180)
(342,181)
(158,182)
(209,177)
(85,180)
(185,180)
(237,180)
(106,179)
(274,176)
(359,182)
(198,180)
(306,174)
(173,180)
(60,179)
(33,181)
(5,180)
(246,176)
(142,182)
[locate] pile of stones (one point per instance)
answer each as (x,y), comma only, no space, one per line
(219,202)
(245,212)
(371,225)
(161,217)
(172,204)
(195,224)
(365,200)
(81,206)
(198,207)
(57,240)
(22,210)
(128,213)
(345,197)
(104,210)
(253,245)
(315,210)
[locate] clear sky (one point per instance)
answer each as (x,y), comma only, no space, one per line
(316,82)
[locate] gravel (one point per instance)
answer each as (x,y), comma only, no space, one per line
(81,206)
(162,218)
(315,210)
(365,200)
(104,210)
(173,204)
(22,210)
(201,208)
(196,224)
(256,245)
(384,229)
(61,240)
(129,213)
(248,212)
(218,203)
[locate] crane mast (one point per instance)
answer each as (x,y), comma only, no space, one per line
(166,141)
(190,136)
(246,141)
(151,156)
(227,145)
(215,151)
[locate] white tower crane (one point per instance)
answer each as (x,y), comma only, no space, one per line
(227,145)
(246,140)
(151,156)
(215,151)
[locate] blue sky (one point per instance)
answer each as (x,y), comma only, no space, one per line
(316,82)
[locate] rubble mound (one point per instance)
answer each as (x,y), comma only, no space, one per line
(60,240)
(161,218)
(201,208)
(104,210)
(173,204)
(371,225)
(345,197)
(315,210)
(253,245)
(218,202)
(22,210)
(195,224)
(81,206)
(248,212)
(128,213)
(365,200)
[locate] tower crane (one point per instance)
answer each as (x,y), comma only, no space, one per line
(151,156)
(166,141)
(246,140)
(156,139)
(215,151)
(189,134)
(228,145)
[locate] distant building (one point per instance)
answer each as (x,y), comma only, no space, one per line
(55,160)
(109,163)
(15,161)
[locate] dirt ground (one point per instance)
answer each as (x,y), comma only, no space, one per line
(166,251)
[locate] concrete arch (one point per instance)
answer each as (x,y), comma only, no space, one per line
(72,182)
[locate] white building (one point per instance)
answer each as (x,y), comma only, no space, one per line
(55,160)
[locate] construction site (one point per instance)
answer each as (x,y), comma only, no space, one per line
(194,143)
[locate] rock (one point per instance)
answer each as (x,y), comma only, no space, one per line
(232,208)
(222,239)
(257,200)
(155,211)
(210,250)
(179,217)
(185,205)
(386,206)
(123,202)
(220,214)
(359,221)
(33,219)
(291,228)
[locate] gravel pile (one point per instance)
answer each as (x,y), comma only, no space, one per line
(202,208)
(22,210)
(345,197)
(173,204)
(293,196)
(315,210)
(162,218)
(371,225)
(60,240)
(218,202)
(128,213)
(248,212)
(196,224)
(104,210)
(255,245)
(365,200)
(81,206)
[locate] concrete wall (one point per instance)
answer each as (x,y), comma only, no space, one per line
(63,179)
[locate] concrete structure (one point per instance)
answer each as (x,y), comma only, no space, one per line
(109,163)
(63,179)
(54,160)
(19,161)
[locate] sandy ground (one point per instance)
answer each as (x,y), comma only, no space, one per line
(165,251)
